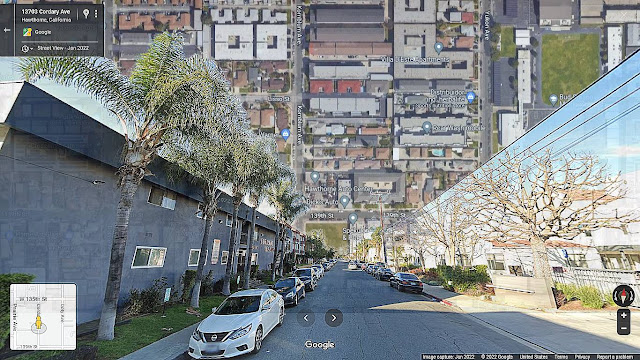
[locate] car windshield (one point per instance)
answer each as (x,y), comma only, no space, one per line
(239,305)
(409,276)
(303,272)
(285,283)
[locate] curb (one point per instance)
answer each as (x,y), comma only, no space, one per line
(442,301)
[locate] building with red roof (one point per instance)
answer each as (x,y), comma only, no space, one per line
(349,86)
(321,86)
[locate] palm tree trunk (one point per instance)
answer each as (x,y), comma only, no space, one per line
(247,265)
(281,270)
(195,295)
(275,251)
(226,287)
(128,188)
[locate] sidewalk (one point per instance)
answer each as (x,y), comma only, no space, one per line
(555,330)
(167,348)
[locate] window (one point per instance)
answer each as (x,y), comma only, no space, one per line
(194,257)
(162,197)
(215,250)
(229,220)
(577,260)
(224,258)
(495,261)
(254,258)
(516,270)
(148,257)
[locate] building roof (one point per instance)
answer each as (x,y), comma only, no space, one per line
(339,105)
(464,42)
(633,34)
(503,94)
(415,41)
(349,86)
(271,42)
(346,14)
(267,118)
(524,77)
(555,9)
(414,11)
(372,181)
(468,18)
(233,42)
(320,86)
(348,34)
(355,71)
(614,46)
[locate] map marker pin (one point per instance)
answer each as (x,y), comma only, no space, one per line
(471,96)
(315,176)
(426,126)
(344,200)
(553,99)
(353,217)
(285,134)
(438,46)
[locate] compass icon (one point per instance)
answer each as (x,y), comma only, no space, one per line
(623,295)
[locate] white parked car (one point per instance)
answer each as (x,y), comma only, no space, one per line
(353,265)
(238,325)
(319,269)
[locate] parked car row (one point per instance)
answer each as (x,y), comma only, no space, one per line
(242,321)
(403,281)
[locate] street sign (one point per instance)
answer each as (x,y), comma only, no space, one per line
(167,294)
(565,254)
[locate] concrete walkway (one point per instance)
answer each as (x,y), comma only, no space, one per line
(554,330)
(167,348)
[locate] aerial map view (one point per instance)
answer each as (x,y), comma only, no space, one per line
(178,178)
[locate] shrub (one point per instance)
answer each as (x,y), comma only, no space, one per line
(462,279)
(187,281)
(147,300)
(5,283)
(590,297)
(417,272)
(570,291)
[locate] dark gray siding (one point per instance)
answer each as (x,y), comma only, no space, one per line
(56,224)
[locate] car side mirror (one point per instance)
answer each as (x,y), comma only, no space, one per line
(213,309)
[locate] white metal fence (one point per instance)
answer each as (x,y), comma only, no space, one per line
(604,280)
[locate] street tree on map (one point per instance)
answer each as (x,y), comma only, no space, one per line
(165,92)
(543,196)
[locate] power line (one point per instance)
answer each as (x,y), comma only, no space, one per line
(94,182)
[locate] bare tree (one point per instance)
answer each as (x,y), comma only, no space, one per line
(447,224)
(538,197)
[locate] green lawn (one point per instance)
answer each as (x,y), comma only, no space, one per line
(507,45)
(569,63)
(140,331)
(332,233)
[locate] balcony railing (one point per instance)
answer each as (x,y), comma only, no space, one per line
(604,280)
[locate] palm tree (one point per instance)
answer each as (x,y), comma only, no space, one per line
(245,150)
(203,160)
(289,204)
(165,92)
(267,170)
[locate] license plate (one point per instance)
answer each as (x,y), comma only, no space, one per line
(414,283)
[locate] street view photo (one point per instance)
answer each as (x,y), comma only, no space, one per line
(320,179)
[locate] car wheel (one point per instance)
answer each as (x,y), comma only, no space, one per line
(281,316)
(390,284)
(400,288)
(258,341)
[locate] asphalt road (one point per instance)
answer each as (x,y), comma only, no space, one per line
(379,322)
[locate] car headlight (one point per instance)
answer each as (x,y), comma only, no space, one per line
(289,295)
(238,333)
(197,335)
